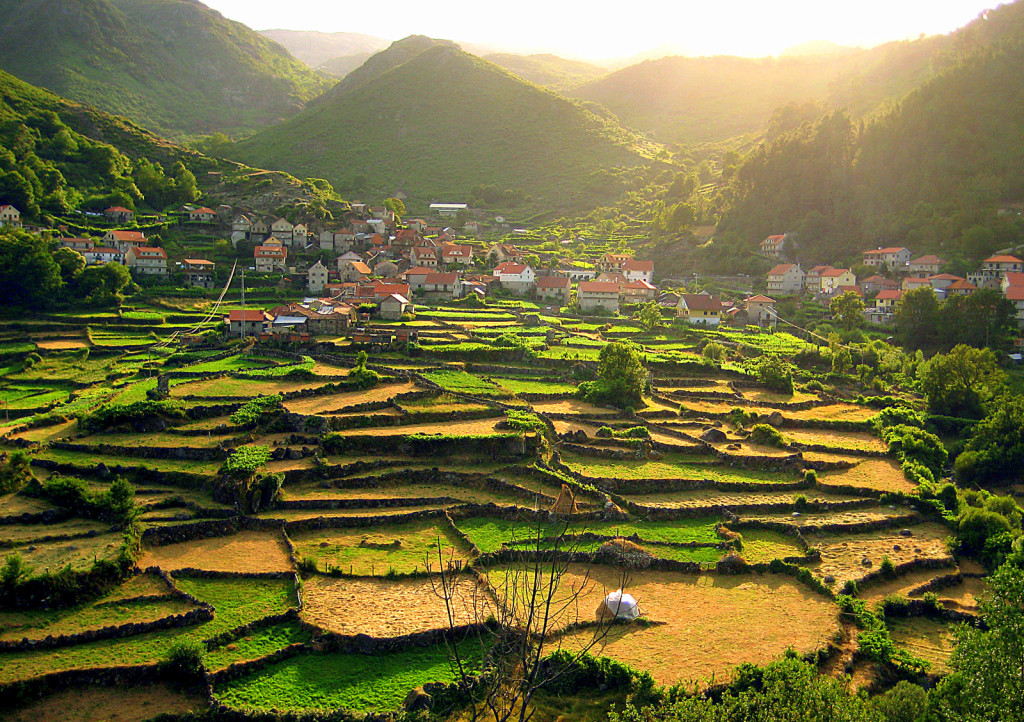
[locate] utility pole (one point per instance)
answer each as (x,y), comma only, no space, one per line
(241,323)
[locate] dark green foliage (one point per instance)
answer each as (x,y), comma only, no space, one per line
(110,415)
(961,382)
(360,376)
(621,377)
(917,447)
(13,571)
(774,372)
(987,682)
(28,273)
(896,416)
(116,505)
(976,526)
(767,435)
(906,702)
(633,432)
(185,657)
(255,409)
(15,471)
(995,451)
(887,568)
(874,639)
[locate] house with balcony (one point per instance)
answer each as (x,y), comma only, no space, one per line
(786,279)
(593,295)
(146,261)
(897,259)
(199,272)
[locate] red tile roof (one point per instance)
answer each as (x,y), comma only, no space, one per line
(553,282)
(927,260)
(1003,259)
(760,299)
(512,269)
(780,269)
(247,315)
(888,294)
(834,272)
(700,302)
(644,266)
(442,278)
(1015,293)
(1014,279)
(644,285)
(598,287)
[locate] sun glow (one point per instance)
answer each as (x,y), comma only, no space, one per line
(603,31)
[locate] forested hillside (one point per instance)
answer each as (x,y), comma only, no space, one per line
(174,66)
(437,122)
(551,71)
(943,172)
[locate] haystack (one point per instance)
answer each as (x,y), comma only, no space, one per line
(624,552)
(565,503)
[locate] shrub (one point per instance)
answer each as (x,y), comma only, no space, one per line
(186,657)
(247,460)
(896,416)
(714,351)
(887,569)
(110,415)
(775,373)
(811,476)
(13,571)
(801,503)
(15,471)
(308,565)
(975,526)
(525,421)
(253,410)
(767,435)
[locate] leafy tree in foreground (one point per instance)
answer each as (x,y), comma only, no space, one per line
(995,452)
(988,678)
(621,377)
(847,310)
(649,316)
(917,314)
(28,273)
(960,382)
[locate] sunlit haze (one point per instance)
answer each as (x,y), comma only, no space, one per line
(602,31)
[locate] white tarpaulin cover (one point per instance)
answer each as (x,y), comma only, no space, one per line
(622,605)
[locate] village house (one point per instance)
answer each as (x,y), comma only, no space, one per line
(377,290)
(202,215)
(77,244)
(942,281)
(638,270)
(876,283)
(394,307)
(700,309)
(1015,295)
(456,253)
(638,292)
(123,240)
(812,281)
(962,287)
(119,214)
(501,252)
(300,235)
(771,247)
(925,266)
(761,311)
(993,269)
(10,216)
(281,229)
(270,256)
(241,224)
(316,277)
(417,224)
(442,286)
(833,278)
(102,254)
(319,317)
(425,256)
(593,295)
(515,277)
(353,271)
(146,260)
(199,272)
(611,277)
(250,322)
(259,227)
(886,300)
(471,228)
(416,277)
(576,275)
(894,258)
(786,279)
(557,289)
(910,284)
(612,262)
(447,210)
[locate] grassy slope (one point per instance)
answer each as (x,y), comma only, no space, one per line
(440,123)
(176,65)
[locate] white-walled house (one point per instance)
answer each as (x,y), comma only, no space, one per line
(786,279)
(146,260)
(515,277)
(598,294)
(316,277)
(10,216)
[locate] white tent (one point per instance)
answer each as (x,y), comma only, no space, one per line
(622,605)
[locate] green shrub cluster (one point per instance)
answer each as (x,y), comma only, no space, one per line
(874,640)
(767,435)
(110,415)
(299,372)
(115,505)
(774,372)
(253,410)
(15,471)
(525,421)
(245,461)
(633,432)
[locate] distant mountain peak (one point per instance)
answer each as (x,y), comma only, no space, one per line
(816,47)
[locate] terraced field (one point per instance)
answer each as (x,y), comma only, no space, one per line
(280,562)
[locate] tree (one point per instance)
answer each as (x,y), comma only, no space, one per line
(396,206)
(917,315)
(995,451)
(987,682)
(516,622)
(71,263)
(847,310)
(960,382)
(621,376)
(28,273)
(649,316)
(102,285)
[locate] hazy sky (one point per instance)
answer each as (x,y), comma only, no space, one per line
(596,30)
